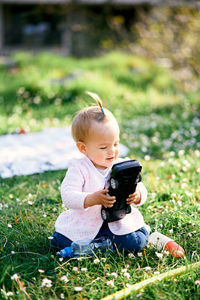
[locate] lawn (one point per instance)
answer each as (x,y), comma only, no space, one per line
(159,119)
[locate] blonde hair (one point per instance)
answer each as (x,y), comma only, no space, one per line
(83,120)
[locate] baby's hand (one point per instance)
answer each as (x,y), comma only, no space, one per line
(101,198)
(134,198)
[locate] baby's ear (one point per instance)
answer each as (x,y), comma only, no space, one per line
(81,147)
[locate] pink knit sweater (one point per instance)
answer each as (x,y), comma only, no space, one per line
(76,222)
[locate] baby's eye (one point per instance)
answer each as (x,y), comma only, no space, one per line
(103,148)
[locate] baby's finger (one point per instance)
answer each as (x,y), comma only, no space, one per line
(109,198)
(105,191)
(108,204)
(129,201)
(132,195)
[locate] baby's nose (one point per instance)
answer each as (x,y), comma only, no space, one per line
(111,150)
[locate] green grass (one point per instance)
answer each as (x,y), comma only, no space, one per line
(159,122)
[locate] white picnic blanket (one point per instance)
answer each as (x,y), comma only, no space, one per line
(30,153)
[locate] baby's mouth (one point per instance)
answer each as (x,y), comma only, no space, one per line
(110,158)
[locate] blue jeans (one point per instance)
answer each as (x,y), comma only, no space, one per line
(131,242)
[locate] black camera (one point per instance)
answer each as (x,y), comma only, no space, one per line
(122,182)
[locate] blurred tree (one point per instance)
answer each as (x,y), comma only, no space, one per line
(170,36)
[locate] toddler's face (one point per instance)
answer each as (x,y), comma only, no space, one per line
(102,144)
